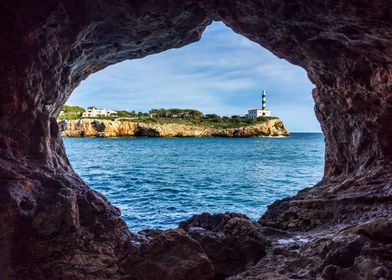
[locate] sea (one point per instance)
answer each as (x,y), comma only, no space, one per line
(158,182)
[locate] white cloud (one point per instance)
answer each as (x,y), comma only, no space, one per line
(223,73)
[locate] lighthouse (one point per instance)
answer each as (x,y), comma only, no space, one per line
(263,112)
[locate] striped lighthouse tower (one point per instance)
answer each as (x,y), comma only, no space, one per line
(264,101)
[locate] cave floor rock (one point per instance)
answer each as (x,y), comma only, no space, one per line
(53,226)
(357,251)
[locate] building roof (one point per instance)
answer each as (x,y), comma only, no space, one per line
(258,109)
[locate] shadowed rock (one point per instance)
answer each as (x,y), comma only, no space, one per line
(167,255)
(231,241)
(52,226)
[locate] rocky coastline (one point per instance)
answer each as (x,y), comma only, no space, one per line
(121,128)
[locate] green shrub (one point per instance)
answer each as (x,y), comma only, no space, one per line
(70,112)
(164,116)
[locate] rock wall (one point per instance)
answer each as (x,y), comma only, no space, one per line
(52,226)
(105,128)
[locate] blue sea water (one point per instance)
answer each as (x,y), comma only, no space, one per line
(158,182)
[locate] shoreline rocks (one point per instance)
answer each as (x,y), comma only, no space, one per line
(107,128)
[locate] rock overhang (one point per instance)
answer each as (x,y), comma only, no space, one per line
(48,48)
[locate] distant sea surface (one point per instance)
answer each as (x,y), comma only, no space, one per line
(158,182)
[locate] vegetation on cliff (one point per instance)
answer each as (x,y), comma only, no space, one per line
(221,122)
(169,116)
(71,112)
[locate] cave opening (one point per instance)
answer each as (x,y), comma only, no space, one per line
(157,183)
(53,226)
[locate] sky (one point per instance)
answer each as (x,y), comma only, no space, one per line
(223,73)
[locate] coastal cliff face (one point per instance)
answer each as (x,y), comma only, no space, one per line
(105,128)
(53,226)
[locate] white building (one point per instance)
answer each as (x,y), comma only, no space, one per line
(263,112)
(92,112)
(255,113)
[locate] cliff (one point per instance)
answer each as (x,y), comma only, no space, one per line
(107,128)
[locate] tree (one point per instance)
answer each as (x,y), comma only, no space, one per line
(212,116)
(124,114)
(69,112)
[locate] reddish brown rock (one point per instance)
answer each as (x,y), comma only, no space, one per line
(231,241)
(52,226)
(167,255)
(331,253)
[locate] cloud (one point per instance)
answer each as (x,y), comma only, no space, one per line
(223,73)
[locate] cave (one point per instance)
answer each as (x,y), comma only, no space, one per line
(52,226)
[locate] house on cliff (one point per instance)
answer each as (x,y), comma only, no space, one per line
(93,112)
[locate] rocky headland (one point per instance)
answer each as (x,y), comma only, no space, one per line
(123,128)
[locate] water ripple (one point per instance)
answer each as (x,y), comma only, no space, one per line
(159,182)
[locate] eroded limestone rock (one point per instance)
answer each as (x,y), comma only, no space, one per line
(52,226)
(231,241)
(171,254)
(106,128)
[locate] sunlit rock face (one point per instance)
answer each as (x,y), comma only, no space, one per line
(52,226)
(107,128)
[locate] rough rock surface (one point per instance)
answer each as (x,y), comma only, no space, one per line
(106,128)
(52,226)
(353,252)
(171,254)
(231,241)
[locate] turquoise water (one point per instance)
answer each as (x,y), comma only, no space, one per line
(157,182)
